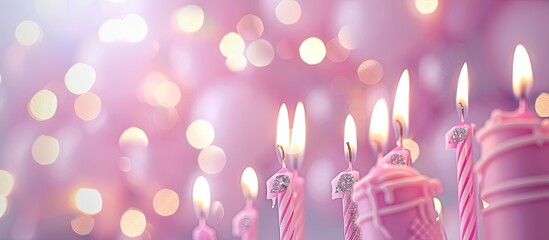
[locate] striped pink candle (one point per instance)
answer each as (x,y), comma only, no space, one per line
(460,137)
(298,183)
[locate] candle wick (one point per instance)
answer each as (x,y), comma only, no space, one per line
(461,112)
(282,155)
(522,104)
(350,153)
(400,133)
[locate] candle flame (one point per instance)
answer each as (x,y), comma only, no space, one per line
(297,143)
(201,197)
(462,96)
(283,130)
(379,125)
(249,183)
(350,139)
(401,105)
(522,72)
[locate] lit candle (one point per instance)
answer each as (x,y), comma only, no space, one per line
(279,186)
(342,184)
(297,149)
(460,137)
(513,169)
(201,199)
(245,222)
(379,127)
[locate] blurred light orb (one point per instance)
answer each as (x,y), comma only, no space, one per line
(167,94)
(232,43)
(135,28)
(370,72)
(346,38)
(50,8)
(133,136)
(3,205)
(82,224)
(87,106)
(166,202)
(28,33)
(236,62)
(200,134)
(542,105)
(212,159)
(43,105)
(426,6)
(6,182)
(260,53)
(111,30)
(312,50)
(189,18)
(288,12)
(133,222)
(150,85)
(88,200)
(413,147)
(250,27)
(335,52)
(80,78)
(45,150)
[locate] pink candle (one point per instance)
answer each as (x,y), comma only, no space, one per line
(460,137)
(342,184)
(513,168)
(279,186)
(245,222)
(201,199)
(297,149)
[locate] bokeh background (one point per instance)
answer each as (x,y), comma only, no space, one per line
(109,109)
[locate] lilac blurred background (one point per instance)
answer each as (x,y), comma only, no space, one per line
(77,74)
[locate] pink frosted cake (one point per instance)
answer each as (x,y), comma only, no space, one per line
(396,202)
(514,176)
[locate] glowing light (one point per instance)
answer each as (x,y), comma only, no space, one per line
(133,222)
(249,183)
(166,202)
(485,204)
(45,150)
(212,159)
(135,28)
(28,33)
(87,106)
(43,105)
(350,137)
(346,38)
(150,85)
(522,72)
(401,104)
(200,134)
(288,12)
(3,205)
(133,136)
(167,94)
(462,96)
(370,72)
(438,206)
(260,53)
(232,43)
(413,147)
(82,224)
(236,62)
(88,200)
(298,138)
(283,128)
(426,6)
(542,105)
(49,8)
(201,197)
(80,78)
(6,183)
(335,52)
(111,30)
(312,51)
(250,27)
(379,125)
(190,18)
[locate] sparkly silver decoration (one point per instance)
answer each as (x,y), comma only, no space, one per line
(459,135)
(345,183)
(281,183)
(245,223)
(397,159)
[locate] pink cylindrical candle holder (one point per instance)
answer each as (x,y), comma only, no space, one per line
(299,195)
